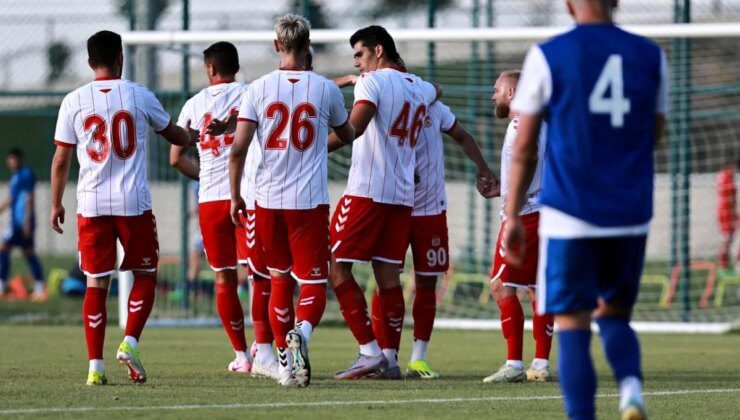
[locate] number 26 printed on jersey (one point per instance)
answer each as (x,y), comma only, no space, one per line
(302,130)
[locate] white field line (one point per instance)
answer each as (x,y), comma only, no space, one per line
(339,403)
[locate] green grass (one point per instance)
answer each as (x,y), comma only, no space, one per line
(45,367)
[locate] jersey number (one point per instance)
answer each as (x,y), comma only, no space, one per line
(436,257)
(400,127)
(99,148)
(616,106)
(211,142)
(300,125)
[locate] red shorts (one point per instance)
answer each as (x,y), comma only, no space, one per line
(296,241)
(248,248)
(219,234)
(363,230)
(97,243)
(526,274)
(430,245)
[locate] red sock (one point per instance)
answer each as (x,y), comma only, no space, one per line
(354,310)
(282,314)
(378,320)
(425,308)
(542,331)
(512,325)
(391,301)
(311,303)
(231,314)
(140,303)
(94,317)
(261,310)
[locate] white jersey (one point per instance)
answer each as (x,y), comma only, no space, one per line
(293,110)
(106,120)
(430,197)
(213,102)
(532,204)
(254,156)
(383,158)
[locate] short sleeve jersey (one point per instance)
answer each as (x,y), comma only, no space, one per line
(532,204)
(383,157)
(430,197)
(217,101)
(600,89)
(293,111)
(22,184)
(107,122)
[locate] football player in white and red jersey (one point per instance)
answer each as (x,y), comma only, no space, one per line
(106,123)
(506,279)
(291,110)
(224,244)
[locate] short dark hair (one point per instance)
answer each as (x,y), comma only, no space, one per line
(16,153)
(103,48)
(223,55)
(373,36)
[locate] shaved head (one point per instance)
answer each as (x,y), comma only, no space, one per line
(503,92)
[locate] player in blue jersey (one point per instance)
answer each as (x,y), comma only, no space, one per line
(22,224)
(603,92)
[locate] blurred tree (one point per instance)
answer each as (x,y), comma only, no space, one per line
(384,8)
(57,57)
(313,10)
(157,8)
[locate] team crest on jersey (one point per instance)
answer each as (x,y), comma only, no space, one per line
(316,272)
(436,241)
(427,121)
(146,262)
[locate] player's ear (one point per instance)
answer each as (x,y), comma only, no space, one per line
(276,43)
(571,11)
(91,64)
(379,51)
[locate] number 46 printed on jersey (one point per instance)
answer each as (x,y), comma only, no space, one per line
(400,127)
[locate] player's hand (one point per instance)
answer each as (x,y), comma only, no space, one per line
(218,127)
(487,183)
(57,218)
(193,134)
(513,241)
(238,206)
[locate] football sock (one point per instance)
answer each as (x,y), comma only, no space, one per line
(577,375)
(2,285)
(512,326)
(4,264)
(264,353)
(378,320)
(97,365)
(230,312)
(39,286)
(391,302)
(424,310)
(542,330)
(94,317)
(140,303)
(540,363)
(519,364)
(392,356)
(419,351)
(35,265)
(371,349)
(241,355)
(354,310)
(622,350)
(282,313)
(261,310)
(630,390)
(306,329)
(132,341)
(311,305)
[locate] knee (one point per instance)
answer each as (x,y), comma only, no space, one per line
(606,309)
(425,282)
(339,273)
(499,291)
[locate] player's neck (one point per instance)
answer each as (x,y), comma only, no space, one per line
(105,73)
(292,62)
(218,80)
(593,17)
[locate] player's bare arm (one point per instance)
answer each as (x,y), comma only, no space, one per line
(359,118)
(659,127)
(59,173)
(218,127)
(186,164)
(4,205)
(242,139)
(523,166)
(176,135)
(28,220)
(487,183)
(344,81)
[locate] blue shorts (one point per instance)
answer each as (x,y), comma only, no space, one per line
(574,273)
(14,237)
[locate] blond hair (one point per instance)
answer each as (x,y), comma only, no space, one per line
(293,32)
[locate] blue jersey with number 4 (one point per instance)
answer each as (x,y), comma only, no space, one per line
(603,95)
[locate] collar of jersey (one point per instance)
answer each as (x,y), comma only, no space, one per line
(100,79)
(221,82)
(290,69)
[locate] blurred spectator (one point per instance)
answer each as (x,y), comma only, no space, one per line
(726,212)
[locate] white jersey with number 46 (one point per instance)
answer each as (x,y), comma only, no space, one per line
(293,110)
(383,158)
(106,121)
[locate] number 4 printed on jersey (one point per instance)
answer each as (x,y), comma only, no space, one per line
(616,106)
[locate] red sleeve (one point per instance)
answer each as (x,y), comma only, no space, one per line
(60,143)
(366,102)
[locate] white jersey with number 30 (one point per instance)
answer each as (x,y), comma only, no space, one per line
(293,110)
(106,121)
(383,158)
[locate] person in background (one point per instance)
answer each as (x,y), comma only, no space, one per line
(726,213)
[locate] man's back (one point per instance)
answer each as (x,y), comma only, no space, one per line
(106,120)
(383,158)
(293,110)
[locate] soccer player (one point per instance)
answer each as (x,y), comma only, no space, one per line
(22,226)
(507,279)
(604,92)
(291,110)
(726,213)
(220,238)
(106,123)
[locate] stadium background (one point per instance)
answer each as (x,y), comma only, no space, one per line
(42,57)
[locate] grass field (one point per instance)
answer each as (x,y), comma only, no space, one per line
(42,373)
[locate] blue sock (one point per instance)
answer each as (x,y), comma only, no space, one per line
(35,265)
(4,264)
(576,372)
(621,346)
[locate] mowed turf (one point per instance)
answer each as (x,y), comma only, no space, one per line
(43,371)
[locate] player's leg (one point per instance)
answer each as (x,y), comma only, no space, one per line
(621,268)
(4,265)
(231,314)
(196,254)
(34,265)
(543,327)
(424,311)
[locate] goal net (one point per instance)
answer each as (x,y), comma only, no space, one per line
(682,280)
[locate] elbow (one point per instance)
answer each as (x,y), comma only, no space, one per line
(175,161)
